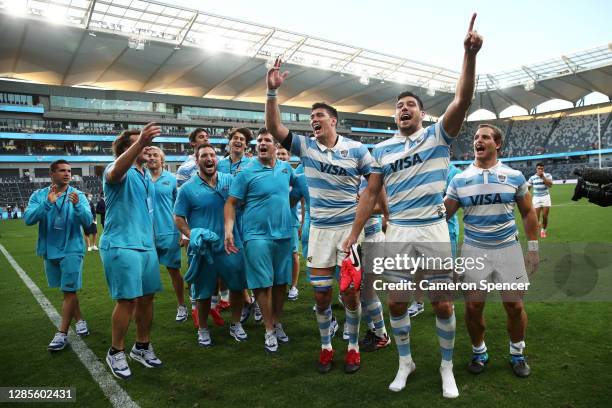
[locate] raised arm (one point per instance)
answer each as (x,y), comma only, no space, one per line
(274,80)
(455,113)
(127,158)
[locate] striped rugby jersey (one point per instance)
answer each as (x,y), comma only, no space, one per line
(374,224)
(186,170)
(414,170)
(488,197)
(539,188)
(332,175)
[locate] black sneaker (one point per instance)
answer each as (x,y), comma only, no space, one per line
(478,363)
(376,343)
(367,340)
(520,368)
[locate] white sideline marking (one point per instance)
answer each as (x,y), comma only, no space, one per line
(113,391)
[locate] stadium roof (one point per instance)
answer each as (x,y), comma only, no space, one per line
(148,46)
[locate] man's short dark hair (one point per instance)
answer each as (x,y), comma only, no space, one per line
(498,137)
(331,111)
(123,141)
(195,132)
(246,132)
(262,131)
(540,164)
(56,164)
(202,146)
(415,96)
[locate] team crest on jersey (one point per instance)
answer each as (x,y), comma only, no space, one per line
(284,171)
(344,153)
(166,183)
(502,178)
(309,259)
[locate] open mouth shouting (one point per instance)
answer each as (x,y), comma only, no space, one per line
(405,117)
(479,147)
(316,127)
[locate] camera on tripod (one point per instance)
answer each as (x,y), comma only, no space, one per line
(594,184)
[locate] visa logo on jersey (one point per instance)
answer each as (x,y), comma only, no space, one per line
(333,169)
(483,199)
(406,162)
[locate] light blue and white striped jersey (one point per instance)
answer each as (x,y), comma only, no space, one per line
(186,170)
(539,189)
(332,175)
(488,197)
(374,224)
(414,170)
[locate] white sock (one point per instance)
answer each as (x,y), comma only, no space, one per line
(449,386)
(517,348)
(406,367)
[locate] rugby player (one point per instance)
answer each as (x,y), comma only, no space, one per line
(60,212)
(413,166)
(263,186)
(488,191)
(199,206)
(127,248)
(540,184)
(166,233)
(333,166)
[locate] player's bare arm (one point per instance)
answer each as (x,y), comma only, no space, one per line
(127,158)
(367,201)
(274,79)
(451,207)
(455,113)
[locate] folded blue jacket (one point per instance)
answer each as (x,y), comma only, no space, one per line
(200,250)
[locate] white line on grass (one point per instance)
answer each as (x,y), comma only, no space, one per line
(113,391)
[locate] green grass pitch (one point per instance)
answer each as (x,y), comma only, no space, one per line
(568,345)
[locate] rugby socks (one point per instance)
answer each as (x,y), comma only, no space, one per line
(400,326)
(224,295)
(324,320)
(516,349)
(366,317)
(114,351)
(445,328)
(352,324)
(479,349)
(142,346)
(375,314)
(213,301)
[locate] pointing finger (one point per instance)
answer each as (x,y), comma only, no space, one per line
(472,22)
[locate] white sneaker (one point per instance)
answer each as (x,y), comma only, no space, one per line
(95,248)
(204,339)
(181,314)
(416,309)
(237,332)
(145,357)
(247,309)
(118,365)
(271,343)
(281,336)
(88,249)
(59,342)
(81,328)
(293,293)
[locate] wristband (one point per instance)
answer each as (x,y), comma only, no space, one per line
(272,93)
(532,245)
